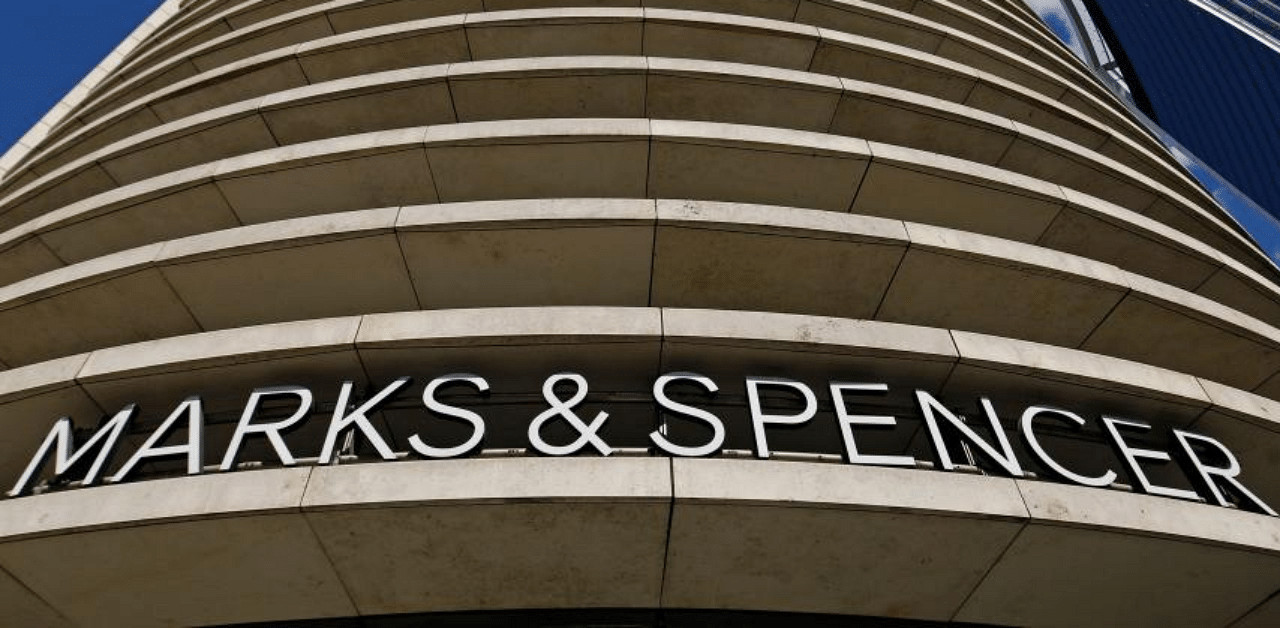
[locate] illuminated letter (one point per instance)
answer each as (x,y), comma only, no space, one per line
(271,430)
(717,427)
(193,448)
(847,421)
(1131,455)
(357,418)
(1028,417)
(1006,460)
(759,419)
(477,423)
(1228,474)
(61,440)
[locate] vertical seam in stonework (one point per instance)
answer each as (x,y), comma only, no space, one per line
(329,21)
(648,165)
(1253,608)
(355,348)
(653,270)
(973,87)
(666,547)
(297,60)
(1062,210)
(1026,523)
(325,550)
(261,116)
(644,30)
(671,465)
(426,157)
(892,278)
(47,604)
(1012,140)
(1102,321)
(104,170)
(45,245)
(408,272)
(648,171)
(466,38)
(1196,421)
(1216,269)
(946,379)
(213,180)
(159,268)
(866,172)
(448,88)
(817,43)
(831,123)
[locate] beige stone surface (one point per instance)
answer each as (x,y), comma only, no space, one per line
(1265,614)
(670,33)
(811,332)
(259,39)
(26,258)
(363,15)
(1112,234)
(869,20)
(1024,370)
(397,99)
(244,493)
(570,252)
(924,187)
(1039,155)
(696,160)
(181,212)
(1054,575)
(977,283)
(862,59)
(344,181)
(900,117)
(54,327)
(617,347)
(226,138)
(24,608)
(555,32)
(222,366)
(310,281)
(238,81)
(184,571)
(533,534)
(1241,288)
(1153,330)
(531,159)
(594,87)
(439,40)
(719,525)
(740,93)
(737,257)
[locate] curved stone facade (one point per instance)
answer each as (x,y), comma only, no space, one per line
(867,310)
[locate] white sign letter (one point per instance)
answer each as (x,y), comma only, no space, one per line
(659,438)
(759,419)
(271,430)
(477,423)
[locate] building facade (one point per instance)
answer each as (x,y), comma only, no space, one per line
(699,312)
(1209,73)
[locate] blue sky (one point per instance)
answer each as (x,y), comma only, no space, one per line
(47,46)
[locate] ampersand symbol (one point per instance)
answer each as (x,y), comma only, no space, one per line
(559,407)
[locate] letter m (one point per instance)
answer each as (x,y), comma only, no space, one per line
(61,443)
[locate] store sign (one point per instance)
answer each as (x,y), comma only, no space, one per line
(944,429)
